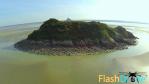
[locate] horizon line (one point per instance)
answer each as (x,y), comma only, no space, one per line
(103,20)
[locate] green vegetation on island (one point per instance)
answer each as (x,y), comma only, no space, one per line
(63,35)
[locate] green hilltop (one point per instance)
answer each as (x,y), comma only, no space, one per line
(81,33)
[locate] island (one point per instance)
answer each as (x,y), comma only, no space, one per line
(55,37)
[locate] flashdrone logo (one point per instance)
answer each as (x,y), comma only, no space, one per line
(124,77)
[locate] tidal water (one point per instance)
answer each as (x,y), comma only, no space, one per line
(17,67)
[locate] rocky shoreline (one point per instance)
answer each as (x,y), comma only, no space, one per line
(45,48)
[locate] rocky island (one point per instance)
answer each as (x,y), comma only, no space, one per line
(69,37)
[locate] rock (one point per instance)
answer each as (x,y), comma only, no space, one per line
(123,33)
(63,43)
(107,44)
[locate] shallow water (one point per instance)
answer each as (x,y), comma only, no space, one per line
(17,67)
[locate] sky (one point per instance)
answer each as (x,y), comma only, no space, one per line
(26,11)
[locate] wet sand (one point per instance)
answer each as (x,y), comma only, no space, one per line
(24,73)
